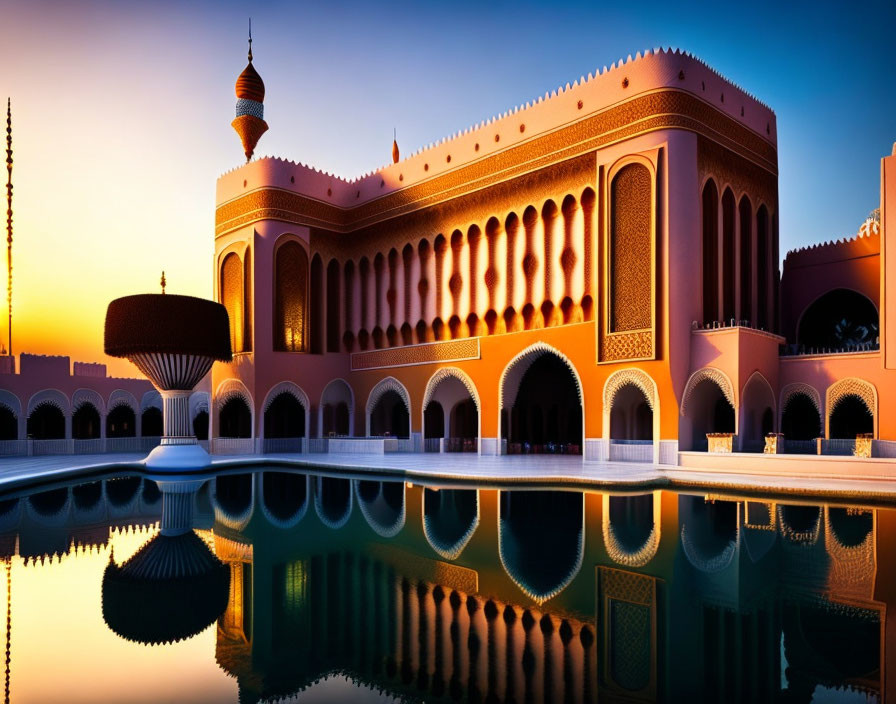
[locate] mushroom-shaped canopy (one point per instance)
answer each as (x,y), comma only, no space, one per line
(168,324)
(170,590)
(249,85)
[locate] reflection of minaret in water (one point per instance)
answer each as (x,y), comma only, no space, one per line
(173,587)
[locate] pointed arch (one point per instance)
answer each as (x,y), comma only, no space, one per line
(335,392)
(756,396)
(82,396)
(851,386)
(647,386)
(717,376)
(294,390)
(232,388)
(390,383)
(52,396)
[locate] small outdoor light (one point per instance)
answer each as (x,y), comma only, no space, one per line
(173,340)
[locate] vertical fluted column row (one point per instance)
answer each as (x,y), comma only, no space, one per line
(573,256)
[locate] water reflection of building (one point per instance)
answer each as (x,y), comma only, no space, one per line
(669,596)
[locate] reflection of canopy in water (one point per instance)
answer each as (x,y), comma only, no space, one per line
(541,539)
(450,517)
(333,501)
(170,590)
(709,532)
(631,528)
(383,505)
(284,498)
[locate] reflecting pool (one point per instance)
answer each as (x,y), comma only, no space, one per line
(286,586)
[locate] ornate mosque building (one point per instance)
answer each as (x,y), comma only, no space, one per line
(593,273)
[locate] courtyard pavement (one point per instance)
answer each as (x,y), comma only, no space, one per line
(450,468)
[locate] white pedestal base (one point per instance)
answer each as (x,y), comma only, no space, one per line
(177,458)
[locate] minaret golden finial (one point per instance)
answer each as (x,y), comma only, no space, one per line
(9,216)
(163,282)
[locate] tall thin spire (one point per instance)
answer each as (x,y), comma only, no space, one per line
(250,40)
(9,216)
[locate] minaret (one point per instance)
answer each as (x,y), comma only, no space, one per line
(249,123)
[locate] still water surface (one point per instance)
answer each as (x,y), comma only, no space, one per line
(286,586)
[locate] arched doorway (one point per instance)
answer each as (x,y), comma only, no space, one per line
(451,411)
(86,422)
(757,414)
(337,405)
(121,422)
(800,421)
(707,408)
(850,416)
(542,405)
(284,424)
(200,425)
(235,419)
(46,422)
(629,399)
(389,410)
(9,424)
(390,417)
(151,424)
(840,319)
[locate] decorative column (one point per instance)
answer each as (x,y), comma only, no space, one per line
(173,340)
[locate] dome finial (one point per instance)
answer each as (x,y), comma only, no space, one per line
(395,153)
(249,123)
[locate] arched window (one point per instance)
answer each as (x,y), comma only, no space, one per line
(333,306)
(728,252)
(232,298)
(839,319)
(631,249)
(763,267)
(710,252)
(317,306)
(746,259)
(289,297)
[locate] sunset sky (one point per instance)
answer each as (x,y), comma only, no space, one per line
(122,115)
